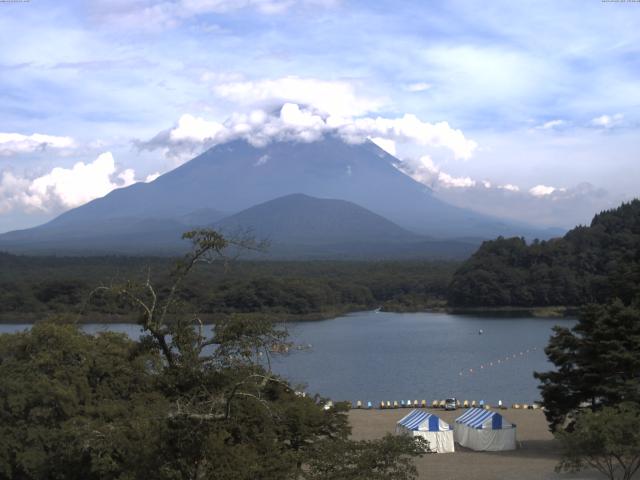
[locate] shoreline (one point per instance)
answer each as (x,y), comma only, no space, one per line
(560,312)
(207,319)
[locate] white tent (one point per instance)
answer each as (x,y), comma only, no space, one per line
(423,424)
(484,430)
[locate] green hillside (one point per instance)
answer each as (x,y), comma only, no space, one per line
(592,263)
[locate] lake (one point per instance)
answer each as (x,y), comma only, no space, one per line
(373,356)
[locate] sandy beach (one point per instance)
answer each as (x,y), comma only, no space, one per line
(535,459)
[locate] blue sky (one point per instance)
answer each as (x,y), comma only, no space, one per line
(525,109)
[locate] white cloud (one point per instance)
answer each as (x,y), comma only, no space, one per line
(127,177)
(386,144)
(15,143)
(448,181)
(418,87)
(541,190)
(151,177)
(509,187)
(12,188)
(552,124)
(336,98)
(291,115)
(608,121)
(295,123)
(425,171)
(63,188)
(564,207)
(194,128)
(410,128)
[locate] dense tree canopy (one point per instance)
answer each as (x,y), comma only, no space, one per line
(76,406)
(31,287)
(180,403)
(597,362)
(589,264)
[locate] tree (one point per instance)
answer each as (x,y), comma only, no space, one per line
(184,402)
(228,414)
(386,459)
(75,406)
(598,362)
(607,440)
(597,263)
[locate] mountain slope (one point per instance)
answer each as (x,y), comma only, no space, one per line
(301,219)
(131,235)
(302,227)
(236,176)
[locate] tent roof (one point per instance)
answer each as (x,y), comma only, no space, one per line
(421,420)
(483,419)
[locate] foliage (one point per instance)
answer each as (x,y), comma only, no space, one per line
(388,458)
(277,289)
(589,264)
(598,362)
(75,406)
(607,440)
(184,402)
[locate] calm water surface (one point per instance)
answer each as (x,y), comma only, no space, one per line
(372,356)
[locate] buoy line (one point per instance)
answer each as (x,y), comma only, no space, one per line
(497,362)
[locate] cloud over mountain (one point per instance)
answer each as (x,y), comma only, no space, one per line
(295,123)
(425,171)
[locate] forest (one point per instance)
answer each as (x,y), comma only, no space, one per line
(590,264)
(35,287)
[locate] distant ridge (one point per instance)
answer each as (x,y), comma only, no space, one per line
(301,219)
(299,226)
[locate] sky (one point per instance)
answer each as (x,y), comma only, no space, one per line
(527,110)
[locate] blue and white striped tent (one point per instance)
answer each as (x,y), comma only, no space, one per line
(432,428)
(485,430)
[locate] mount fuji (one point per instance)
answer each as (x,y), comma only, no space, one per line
(364,199)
